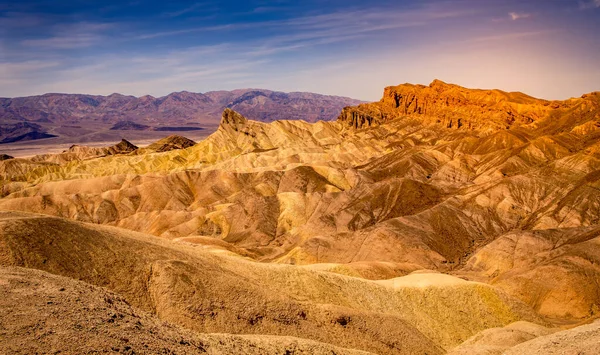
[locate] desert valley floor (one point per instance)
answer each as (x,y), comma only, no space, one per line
(438,220)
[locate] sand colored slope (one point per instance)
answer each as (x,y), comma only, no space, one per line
(45,313)
(580,340)
(555,270)
(496,341)
(209,293)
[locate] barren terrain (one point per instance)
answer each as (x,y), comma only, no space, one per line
(440,219)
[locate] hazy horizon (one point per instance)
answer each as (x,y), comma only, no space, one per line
(264,89)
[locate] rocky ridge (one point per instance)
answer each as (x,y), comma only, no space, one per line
(171,142)
(77,152)
(456,107)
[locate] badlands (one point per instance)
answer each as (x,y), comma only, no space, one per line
(438,220)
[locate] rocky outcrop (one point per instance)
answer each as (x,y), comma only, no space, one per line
(78,152)
(230,118)
(123,147)
(170,143)
(362,116)
(452,106)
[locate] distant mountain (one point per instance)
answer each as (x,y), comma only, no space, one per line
(129,126)
(165,113)
(22,131)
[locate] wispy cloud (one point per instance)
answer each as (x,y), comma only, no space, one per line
(28,66)
(69,36)
(348,25)
(509,36)
(192,8)
(12,20)
(328,27)
(591,4)
(153,35)
(265,9)
(18,73)
(140,74)
(64,42)
(519,15)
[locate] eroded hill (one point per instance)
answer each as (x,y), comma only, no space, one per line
(69,316)
(492,187)
(217,293)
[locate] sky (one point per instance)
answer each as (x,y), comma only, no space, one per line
(545,48)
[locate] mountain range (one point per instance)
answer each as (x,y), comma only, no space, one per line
(77,116)
(437,220)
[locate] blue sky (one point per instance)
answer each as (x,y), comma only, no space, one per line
(546,48)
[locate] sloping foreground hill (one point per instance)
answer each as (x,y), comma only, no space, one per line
(581,340)
(41,313)
(527,338)
(45,313)
(556,271)
(212,292)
